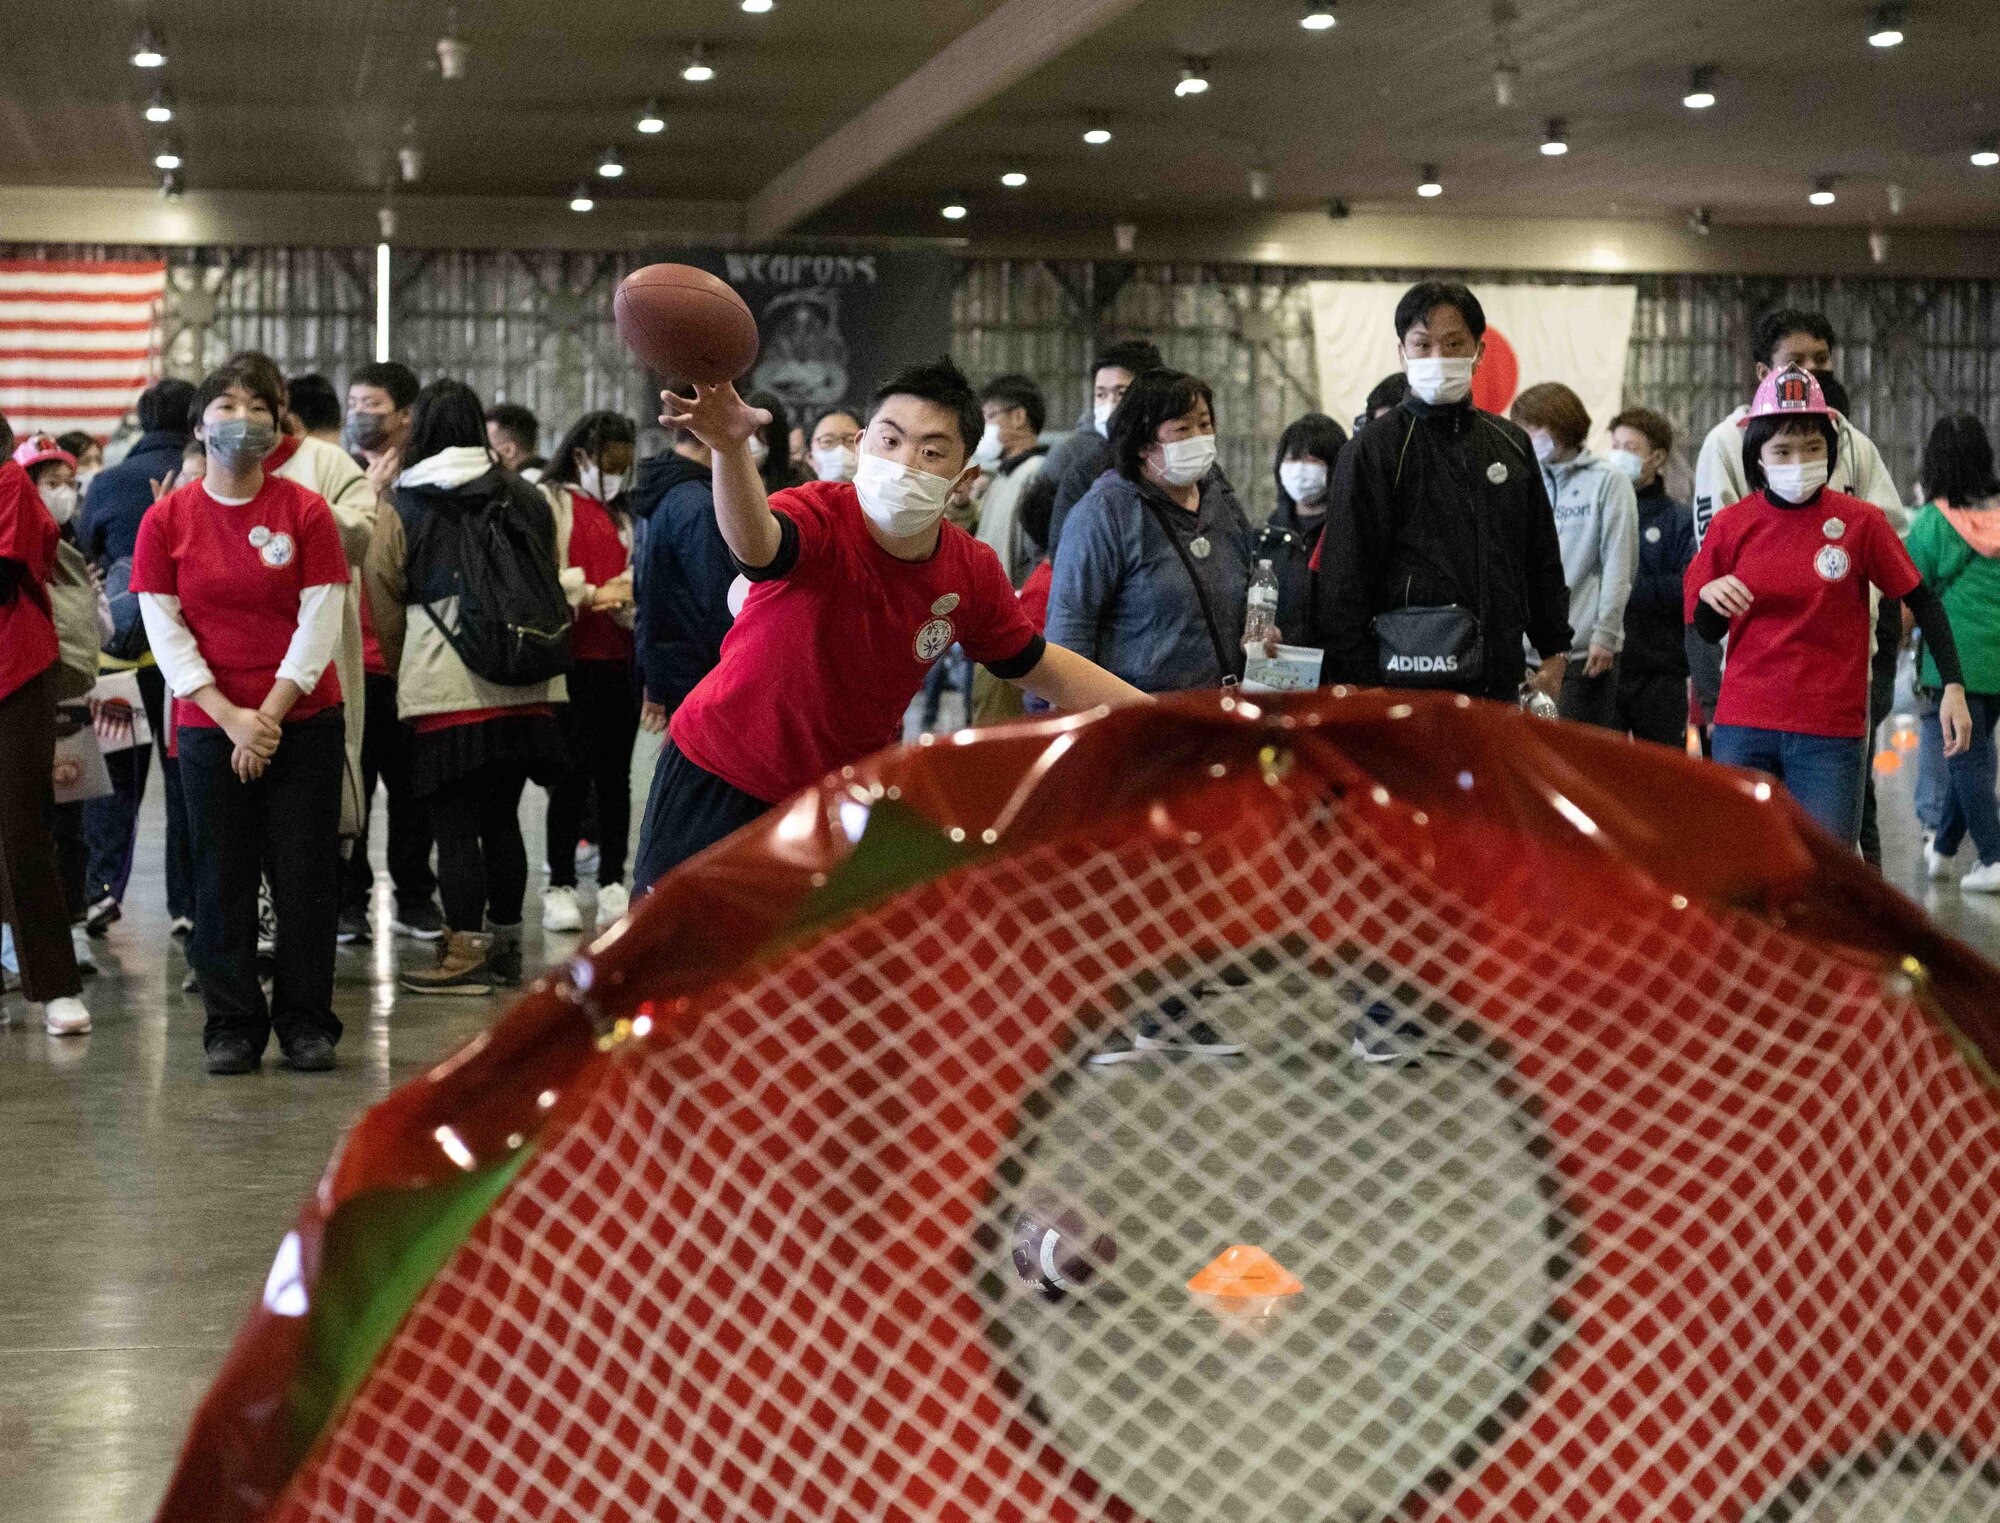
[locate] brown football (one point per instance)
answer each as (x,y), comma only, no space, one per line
(685,324)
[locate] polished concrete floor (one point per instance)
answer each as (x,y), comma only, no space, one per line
(140,1200)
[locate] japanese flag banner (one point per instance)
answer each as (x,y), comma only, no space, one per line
(1570,333)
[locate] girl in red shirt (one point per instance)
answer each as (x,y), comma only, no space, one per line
(585,485)
(1785,575)
(31,895)
(243,584)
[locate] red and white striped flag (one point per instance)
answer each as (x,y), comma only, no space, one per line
(78,339)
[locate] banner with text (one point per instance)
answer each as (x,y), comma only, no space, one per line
(1578,335)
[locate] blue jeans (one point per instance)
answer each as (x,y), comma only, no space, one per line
(1822,772)
(1969,804)
(1931,785)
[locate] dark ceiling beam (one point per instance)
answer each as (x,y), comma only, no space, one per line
(978,65)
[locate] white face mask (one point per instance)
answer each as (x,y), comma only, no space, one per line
(989,446)
(1545,448)
(61,502)
(1439,381)
(1185,461)
(596,483)
(1304,481)
(84,479)
(759,451)
(899,501)
(1795,483)
(836,464)
(1101,415)
(1627,464)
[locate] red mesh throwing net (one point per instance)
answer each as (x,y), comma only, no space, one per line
(1620,1134)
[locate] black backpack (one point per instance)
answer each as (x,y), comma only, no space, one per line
(513,623)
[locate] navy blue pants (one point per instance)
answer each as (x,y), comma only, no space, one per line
(688,811)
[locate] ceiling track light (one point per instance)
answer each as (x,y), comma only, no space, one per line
(1822,192)
(159,110)
(651,119)
(579,199)
(1318,16)
(1096,133)
(952,211)
(1428,183)
(610,167)
(1986,155)
(1555,138)
(1886,30)
(759,7)
(697,70)
(1013,179)
(1194,78)
(167,157)
(1701,89)
(148,52)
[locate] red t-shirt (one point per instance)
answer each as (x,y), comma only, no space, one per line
(824,659)
(28,541)
(1798,660)
(239,571)
(596,550)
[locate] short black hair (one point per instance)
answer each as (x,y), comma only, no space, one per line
(1387,392)
(1018,391)
(943,383)
(76,441)
(1154,398)
(253,378)
(1658,431)
(444,415)
(164,405)
(589,433)
(1137,355)
(516,422)
(1958,462)
(260,364)
(1775,326)
(1835,391)
(314,402)
(1759,432)
(1426,296)
(398,379)
(824,413)
(1315,435)
(777,436)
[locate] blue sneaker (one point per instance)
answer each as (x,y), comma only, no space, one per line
(1381,1039)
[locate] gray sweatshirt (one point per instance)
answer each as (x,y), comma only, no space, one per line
(1597,522)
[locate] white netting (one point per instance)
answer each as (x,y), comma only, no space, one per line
(1678,1217)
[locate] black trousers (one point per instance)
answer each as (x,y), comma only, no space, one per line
(1588,700)
(482,860)
(688,811)
(385,758)
(285,827)
(599,724)
(1653,705)
(31,895)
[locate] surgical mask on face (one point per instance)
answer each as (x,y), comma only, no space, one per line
(1438,380)
(84,479)
(1795,483)
(1627,464)
(238,442)
(603,485)
(989,445)
(1304,481)
(1101,416)
(759,451)
(367,430)
(61,502)
(899,501)
(1545,448)
(1185,461)
(836,464)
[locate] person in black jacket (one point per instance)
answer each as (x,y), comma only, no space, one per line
(682,578)
(1076,462)
(1653,670)
(1307,452)
(119,495)
(1438,504)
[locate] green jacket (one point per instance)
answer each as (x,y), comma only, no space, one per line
(1969,583)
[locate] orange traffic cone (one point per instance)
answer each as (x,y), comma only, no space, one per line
(1245,1272)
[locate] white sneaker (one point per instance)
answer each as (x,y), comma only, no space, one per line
(612,903)
(1936,864)
(66,1017)
(559,910)
(1983,879)
(79,942)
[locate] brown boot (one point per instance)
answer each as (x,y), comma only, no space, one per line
(461,967)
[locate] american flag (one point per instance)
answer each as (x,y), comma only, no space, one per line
(78,340)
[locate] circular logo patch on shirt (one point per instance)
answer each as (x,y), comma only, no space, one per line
(1831,563)
(1199,547)
(1653,535)
(276,551)
(934,639)
(259,537)
(738,591)
(1833,528)
(1496,473)
(945,604)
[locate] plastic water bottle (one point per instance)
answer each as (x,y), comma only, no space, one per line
(1261,624)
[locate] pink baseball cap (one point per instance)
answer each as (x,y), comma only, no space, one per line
(36,448)
(1787,393)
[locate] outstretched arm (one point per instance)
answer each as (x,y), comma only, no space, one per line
(723,421)
(1066,681)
